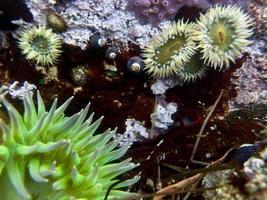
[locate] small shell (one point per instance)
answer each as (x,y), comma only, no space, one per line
(96,41)
(4,44)
(56,22)
(135,64)
(111,53)
(79,75)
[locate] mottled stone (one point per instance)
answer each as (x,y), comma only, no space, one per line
(84,18)
(251,79)
(258,10)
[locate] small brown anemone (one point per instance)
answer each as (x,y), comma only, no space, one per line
(193,69)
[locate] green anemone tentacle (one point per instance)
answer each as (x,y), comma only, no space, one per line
(47,155)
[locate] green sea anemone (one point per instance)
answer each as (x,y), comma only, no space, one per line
(47,155)
(170,50)
(40,45)
(192,70)
(222,34)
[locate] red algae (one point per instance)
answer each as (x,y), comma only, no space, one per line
(121,95)
(118,94)
(222,132)
(117,98)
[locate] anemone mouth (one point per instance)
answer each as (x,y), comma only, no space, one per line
(168,51)
(222,33)
(193,69)
(40,45)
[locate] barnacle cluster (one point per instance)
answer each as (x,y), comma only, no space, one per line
(79,75)
(40,45)
(153,11)
(250,184)
(187,50)
(47,155)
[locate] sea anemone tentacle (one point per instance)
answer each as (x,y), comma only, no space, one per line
(192,70)
(169,50)
(47,155)
(222,35)
(40,45)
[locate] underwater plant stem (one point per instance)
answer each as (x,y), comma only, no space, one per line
(152,133)
(193,188)
(180,186)
(202,170)
(199,135)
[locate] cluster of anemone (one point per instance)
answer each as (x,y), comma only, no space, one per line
(40,45)
(186,50)
(47,155)
(153,11)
